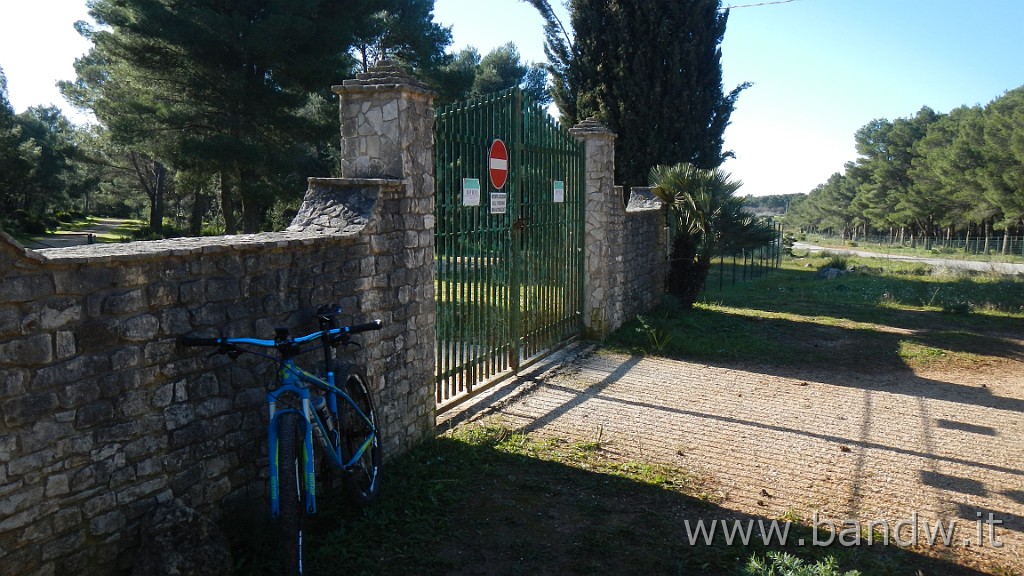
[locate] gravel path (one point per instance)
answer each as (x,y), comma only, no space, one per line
(944,447)
(79,237)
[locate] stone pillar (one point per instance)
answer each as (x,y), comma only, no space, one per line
(604,221)
(387,121)
(387,126)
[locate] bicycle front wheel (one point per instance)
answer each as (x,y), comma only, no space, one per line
(360,430)
(292,511)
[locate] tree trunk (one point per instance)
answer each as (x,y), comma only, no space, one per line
(152,177)
(200,205)
(687,276)
(252,206)
(227,205)
(156,210)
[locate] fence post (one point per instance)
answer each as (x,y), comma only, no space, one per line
(604,216)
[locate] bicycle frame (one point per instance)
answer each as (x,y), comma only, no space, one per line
(341,420)
(296,381)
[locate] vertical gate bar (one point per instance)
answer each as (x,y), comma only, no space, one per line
(491,129)
(445,233)
(449,237)
(453,242)
(540,253)
(487,130)
(444,352)
(479,305)
(538,217)
(438,250)
(450,240)
(480,236)
(465,242)
(461,250)
(517,206)
(487,251)
(545,248)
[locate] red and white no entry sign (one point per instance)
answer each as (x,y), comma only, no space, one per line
(498,164)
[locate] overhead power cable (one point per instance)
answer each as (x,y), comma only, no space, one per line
(758,4)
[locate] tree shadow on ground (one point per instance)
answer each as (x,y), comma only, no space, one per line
(488,506)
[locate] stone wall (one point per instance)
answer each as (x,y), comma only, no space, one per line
(102,415)
(644,252)
(624,246)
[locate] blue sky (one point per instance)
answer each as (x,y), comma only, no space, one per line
(821,69)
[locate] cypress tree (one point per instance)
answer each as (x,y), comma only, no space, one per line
(651,71)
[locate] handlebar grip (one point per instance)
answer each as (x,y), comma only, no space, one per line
(375,325)
(193,341)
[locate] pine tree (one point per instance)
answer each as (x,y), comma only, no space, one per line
(14,166)
(222,86)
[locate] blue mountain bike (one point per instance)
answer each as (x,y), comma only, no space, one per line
(332,410)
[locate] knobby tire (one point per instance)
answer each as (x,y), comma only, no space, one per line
(292,509)
(362,480)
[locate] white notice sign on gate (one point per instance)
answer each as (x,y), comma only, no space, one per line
(559,192)
(470,192)
(499,202)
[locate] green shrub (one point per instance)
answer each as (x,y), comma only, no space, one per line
(957,308)
(784,564)
(838,263)
(147,233)
(32,225)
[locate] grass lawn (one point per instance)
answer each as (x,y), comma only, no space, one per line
(871,318)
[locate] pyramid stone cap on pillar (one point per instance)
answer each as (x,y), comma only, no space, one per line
(591,127)
(386,75)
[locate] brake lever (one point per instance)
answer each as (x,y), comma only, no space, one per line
(230,350)
(344,339)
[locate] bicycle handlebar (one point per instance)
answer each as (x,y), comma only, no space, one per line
(193,341)
(375,325)
(334,334)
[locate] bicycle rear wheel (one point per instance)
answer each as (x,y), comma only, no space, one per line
(360,430)
(289,473)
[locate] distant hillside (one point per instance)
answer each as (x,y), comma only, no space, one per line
(768,205)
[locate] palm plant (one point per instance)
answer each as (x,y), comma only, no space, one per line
(707,220)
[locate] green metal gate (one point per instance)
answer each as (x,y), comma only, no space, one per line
(509,261)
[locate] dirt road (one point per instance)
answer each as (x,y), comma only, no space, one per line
(978,266)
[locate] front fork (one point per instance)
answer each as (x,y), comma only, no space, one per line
(307,472)
(292,384)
